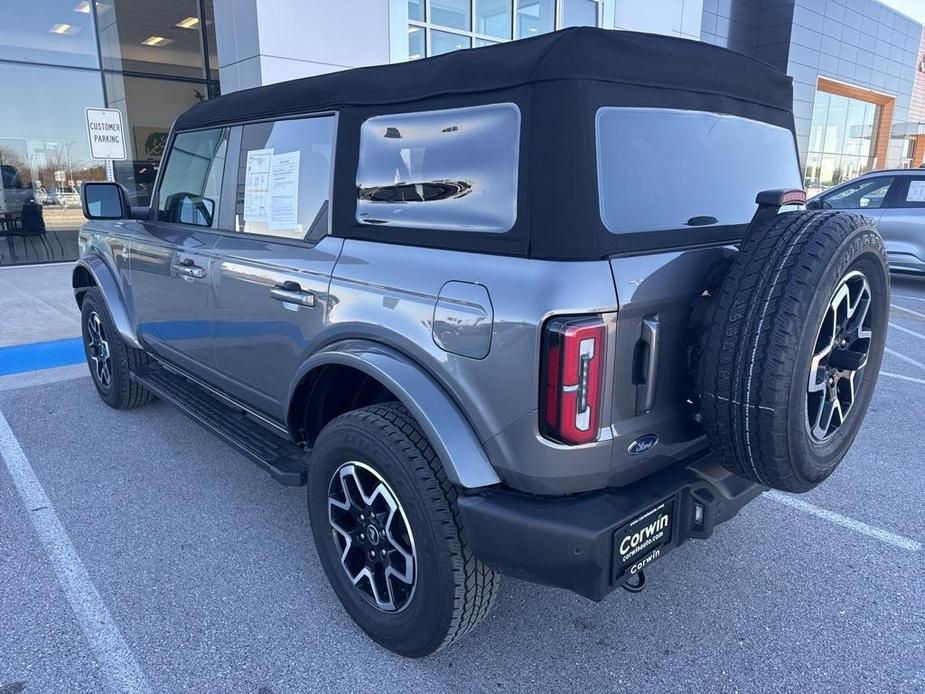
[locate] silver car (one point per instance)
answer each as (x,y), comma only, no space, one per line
(895,200)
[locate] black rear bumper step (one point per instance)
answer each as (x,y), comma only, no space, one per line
(574,542)
(283,459)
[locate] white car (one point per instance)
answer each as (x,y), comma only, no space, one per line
(66,197)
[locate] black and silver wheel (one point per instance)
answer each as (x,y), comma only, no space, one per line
(839,357)
(387,532)
(109,358)
(794,351)
(371,531)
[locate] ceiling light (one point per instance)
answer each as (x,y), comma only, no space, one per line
(83,7)
(64,29)
(188,23)
(156,41)
(411,30)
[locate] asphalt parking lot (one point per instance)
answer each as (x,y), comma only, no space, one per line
(195,572)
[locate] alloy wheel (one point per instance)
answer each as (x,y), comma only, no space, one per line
(839,357)
(98,350)
(372,535)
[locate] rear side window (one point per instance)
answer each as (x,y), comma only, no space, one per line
(453,169)
(666,169)
(869,193)
(911,192)
(192,180)
(284,178)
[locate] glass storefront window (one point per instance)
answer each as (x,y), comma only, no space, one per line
(57,32)
(149,107)
(579,13)
(841,140)
(493,18)
(44,158)
(455,14)
(416,10)
(444,42)
(535,17)
(416,42)
(161,37)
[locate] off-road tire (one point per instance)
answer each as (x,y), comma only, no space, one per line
(122,393)
(753,374)
(454,590)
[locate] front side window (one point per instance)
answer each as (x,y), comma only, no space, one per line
(284,178)
(192,181)
(666,169)
(454,169)
(869,193)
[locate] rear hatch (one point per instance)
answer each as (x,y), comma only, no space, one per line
(680,187)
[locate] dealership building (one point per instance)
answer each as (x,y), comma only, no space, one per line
(858,69)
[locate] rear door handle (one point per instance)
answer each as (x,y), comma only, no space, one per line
(650,340)
(188,268)
(292,293)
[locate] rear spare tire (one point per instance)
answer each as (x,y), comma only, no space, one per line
(793,353)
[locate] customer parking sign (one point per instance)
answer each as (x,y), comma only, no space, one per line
(104,128)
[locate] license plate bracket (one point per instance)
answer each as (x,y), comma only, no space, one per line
(644,539)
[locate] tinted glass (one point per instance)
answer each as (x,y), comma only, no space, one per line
(579,13)
(416,10)
(444,42)
(104,200)
(841,141)
(869,193)
(43,147)
(661,168)
(284,178)
(192,182)
(415,42)
(454,169)
(535,17)
(149,107)
(455,14)
(912,192)
(162,37)
(493,18)
(51,31)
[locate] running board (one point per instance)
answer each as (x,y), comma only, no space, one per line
(283,459)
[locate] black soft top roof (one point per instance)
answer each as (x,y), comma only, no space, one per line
(618,57)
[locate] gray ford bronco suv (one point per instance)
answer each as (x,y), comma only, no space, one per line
(548,308)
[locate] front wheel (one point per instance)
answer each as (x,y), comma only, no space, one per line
(110,359)
(387,531)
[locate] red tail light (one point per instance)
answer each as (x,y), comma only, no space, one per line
(573,357)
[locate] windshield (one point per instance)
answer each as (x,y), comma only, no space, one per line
(661,169)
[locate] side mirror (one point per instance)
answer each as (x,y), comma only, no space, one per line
(187,208)
(104,200)
(814,205)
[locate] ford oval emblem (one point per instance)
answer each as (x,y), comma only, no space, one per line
(642,444)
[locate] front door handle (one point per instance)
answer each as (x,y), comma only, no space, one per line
(188,268)
(292,293)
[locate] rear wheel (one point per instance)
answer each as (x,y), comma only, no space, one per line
(110,359)
(387,531)
(794,351)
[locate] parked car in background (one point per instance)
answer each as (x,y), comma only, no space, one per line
(895,200)
(66,197)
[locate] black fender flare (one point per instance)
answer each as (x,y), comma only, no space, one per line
(449,432)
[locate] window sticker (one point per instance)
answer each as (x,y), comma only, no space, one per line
(257,185)
(284,191)
(916,191)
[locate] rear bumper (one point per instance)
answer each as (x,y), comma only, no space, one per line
(571,542)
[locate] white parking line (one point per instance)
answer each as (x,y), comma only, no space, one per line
(903,378)
(906,330)
(908,296)
(844,521)
(908,310)
(903,357)
(117,663)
